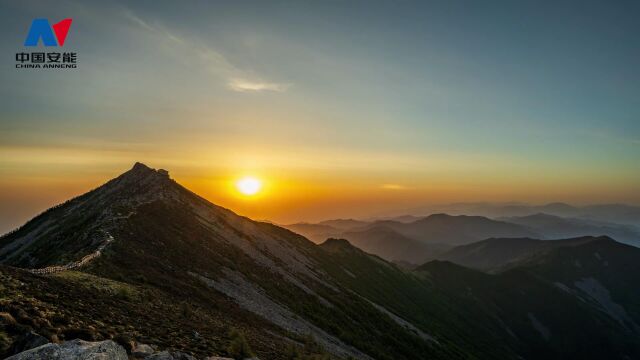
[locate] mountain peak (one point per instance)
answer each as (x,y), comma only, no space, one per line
(138,166)
(101,211)
(141,172)
(435,217)
(337,245)
(602,239)
(439,215)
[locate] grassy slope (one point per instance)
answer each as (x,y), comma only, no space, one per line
(164,257)
(488,315)
(77,305)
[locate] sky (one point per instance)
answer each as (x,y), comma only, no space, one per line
(341,108)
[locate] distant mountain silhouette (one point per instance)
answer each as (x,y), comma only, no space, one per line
(416,241)
(393,246)
(405,218)
(456,230)
(612,213)
(555,227)
(344,224)
(317,233)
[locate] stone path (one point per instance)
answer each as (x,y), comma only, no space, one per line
(76,264)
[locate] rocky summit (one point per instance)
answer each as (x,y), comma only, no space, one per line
(141,267)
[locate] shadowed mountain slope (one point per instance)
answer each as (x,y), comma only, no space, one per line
(513,314)
(496,253)
(317,233)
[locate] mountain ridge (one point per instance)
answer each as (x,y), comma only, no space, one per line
(495,254)
(179,242)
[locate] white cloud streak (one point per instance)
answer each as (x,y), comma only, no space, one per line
(208,58)
(242,85)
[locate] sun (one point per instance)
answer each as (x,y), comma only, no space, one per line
(249,185)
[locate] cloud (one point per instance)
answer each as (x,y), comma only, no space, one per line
(242,85)
(393,187)
(206,57)
(136,20)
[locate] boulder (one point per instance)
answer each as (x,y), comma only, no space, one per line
(179,355)
(126,341)
(75,350)
(28,341)
(162,355)
(142,350)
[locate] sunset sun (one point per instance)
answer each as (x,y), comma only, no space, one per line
(249,185)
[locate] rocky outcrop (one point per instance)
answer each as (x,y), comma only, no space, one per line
(101,350)
(75,350)
(142,350)
(28,341)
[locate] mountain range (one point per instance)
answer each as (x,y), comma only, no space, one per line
(556,227)
(416,240)
(143,259)
(613,213)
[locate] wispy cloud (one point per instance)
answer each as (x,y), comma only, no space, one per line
(242,85)
(208,58)
(393,187)
(136,20)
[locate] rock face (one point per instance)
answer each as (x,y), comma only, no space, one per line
(101,350)
(28,341)
(75,350)
(142,350)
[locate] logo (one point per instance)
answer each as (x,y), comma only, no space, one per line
(40,29)
(41,32)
